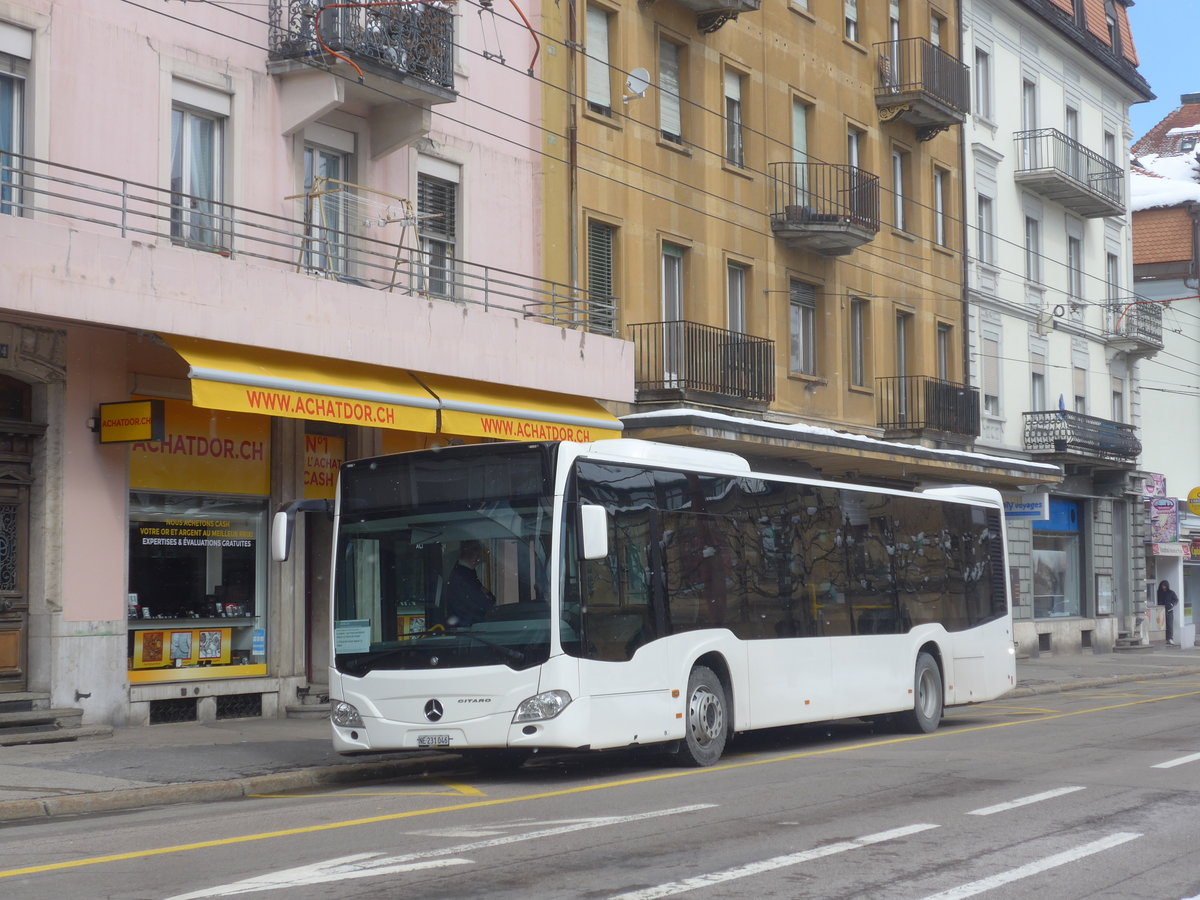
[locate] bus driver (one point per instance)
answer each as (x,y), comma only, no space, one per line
(467,600)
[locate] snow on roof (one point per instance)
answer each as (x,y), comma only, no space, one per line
(799,429)
(1158,181)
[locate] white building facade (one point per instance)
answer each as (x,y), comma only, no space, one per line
(1054,353)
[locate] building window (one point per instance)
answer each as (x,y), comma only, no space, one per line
(1033,250)
(197,149)
(854,137)
(601,285)
(675,358)
(899,168)
(983,84)
(670,123)
(735,282)
(1037,381)
(1029,122)
(990,367)
(945,350)
(734,133)
(904,335)
(1056,561)
(598,73)
(1118,399)
(1110,147)
(851,18)
(13,70)
(803,327)
(437,232)
(1075,267)
(941,196)
(859,324)
(1079,381)
(985,229)
(325,222)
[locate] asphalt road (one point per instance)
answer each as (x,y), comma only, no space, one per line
(1088,794)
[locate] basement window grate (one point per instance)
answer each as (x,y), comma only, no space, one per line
(166,712)
(239,706)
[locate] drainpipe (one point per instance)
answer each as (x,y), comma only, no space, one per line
(572,147)
(963,219)
(1192,280)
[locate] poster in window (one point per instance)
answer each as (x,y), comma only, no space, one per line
(210,644)
(181,645)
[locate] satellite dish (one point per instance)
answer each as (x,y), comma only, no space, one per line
(637,82)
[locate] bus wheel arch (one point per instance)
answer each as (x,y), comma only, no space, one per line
(708,712)
(929,693)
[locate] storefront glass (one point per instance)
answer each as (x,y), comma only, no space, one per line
(1056,562)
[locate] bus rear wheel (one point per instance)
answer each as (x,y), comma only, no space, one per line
(707,719)
(928,696)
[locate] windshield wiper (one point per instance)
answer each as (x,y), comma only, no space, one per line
(364,665)
(515,655)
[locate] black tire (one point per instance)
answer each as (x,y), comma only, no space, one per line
(928,698)
(706,720)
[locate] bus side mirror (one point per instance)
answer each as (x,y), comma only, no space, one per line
(284,524)
(593,531)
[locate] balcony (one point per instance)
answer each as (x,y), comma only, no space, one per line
(712,14)
(828,209)
(689,361)
(1066,434)
(921,84)
(915,403)
(371,258)
(1062,169)
(395,59)
(1134,328)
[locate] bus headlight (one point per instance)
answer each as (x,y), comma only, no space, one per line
(545,705)
(343,714)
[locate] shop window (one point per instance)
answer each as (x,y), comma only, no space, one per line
(1057,591)
(197,586)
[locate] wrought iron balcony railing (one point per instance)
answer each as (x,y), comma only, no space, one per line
(830,209)
(1062,169)
(1062,431)
(921,402)
(673,359)
(397,39)
(922,84)
(1135,326)
(87,200)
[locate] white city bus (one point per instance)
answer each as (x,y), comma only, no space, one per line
(641,593)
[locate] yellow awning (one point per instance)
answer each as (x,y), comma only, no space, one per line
(277,383)
(515,414)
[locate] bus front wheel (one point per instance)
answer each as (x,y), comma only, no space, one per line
(707,719)
(927,698)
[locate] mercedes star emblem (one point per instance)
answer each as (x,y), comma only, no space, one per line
(433,710)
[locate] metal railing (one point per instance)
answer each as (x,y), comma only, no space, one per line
(1049,148)
(1140,320)
(914,65)
(919,402)
(1064,431)
(687,356)
(76,197)
(401,39)
(820,194)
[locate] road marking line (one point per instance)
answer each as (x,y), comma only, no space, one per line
(455,790)
(943,734)
(767,865)
(1023,801)
(1172,763)
(372,865)
(1034,868)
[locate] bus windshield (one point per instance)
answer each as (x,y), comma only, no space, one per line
(442,560)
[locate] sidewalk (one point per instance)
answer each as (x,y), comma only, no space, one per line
(197,762)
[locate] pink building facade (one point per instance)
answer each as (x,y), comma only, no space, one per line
(306,234)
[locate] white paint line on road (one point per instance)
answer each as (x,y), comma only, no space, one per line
(767,865)
(1024,801)
(1034,868)
(370,865)
(1172,763)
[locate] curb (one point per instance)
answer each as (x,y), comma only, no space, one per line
(211,791)
(1057,687)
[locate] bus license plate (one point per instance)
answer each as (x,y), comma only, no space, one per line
(433,740)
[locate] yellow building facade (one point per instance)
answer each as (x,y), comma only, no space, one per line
(771,198)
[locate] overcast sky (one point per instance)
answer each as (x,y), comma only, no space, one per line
(1167,36)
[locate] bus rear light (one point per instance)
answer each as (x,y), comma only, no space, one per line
(540,707)
(344,715)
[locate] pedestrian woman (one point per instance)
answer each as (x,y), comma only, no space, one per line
(1167,598)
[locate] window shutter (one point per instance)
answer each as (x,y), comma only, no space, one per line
(437,202)
(668,87)
(599,82)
